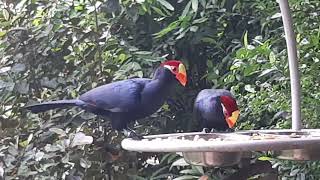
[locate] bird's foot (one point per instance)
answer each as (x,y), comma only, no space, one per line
(210,130)
(213,130)
(135,136)
(129,133)
(229,130)
(205,130)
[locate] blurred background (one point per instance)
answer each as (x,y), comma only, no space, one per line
(60,49)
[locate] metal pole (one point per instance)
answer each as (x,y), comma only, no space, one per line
(293,64)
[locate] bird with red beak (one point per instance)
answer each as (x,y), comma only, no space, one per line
(128,100)
(216,109)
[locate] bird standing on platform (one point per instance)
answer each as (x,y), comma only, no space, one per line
(216,109)
(127,100)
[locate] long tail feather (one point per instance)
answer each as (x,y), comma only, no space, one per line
(36,108)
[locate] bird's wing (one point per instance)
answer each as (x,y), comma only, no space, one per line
(203,112)
(196,113)
(120,96)
(196,110)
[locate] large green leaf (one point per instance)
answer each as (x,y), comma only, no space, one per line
(166,4)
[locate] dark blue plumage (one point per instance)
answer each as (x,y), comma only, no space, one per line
(209,111)
(122,101)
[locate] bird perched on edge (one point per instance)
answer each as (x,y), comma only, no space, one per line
(127,100)
(216,109)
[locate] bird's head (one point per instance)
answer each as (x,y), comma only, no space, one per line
(178,69)
(230,110)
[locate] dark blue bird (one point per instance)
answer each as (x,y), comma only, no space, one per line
(127,100)
(216,109)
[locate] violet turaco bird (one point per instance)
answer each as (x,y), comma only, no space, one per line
(127,100)
(216,109)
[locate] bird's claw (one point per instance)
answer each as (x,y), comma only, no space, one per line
(229,130)
(213,130)
(135,136)
(205,130)
(209,130)
(129,133)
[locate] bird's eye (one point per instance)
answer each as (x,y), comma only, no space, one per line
(174,68)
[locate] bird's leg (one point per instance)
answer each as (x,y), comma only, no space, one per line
(126,132)
(131,134)
(213,130)
(205,130)
(134,135)
(229,130)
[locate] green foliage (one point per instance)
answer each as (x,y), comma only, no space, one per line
(60,49)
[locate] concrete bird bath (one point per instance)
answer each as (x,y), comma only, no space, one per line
(223,149)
